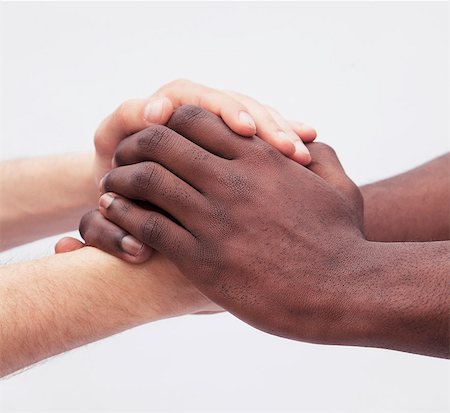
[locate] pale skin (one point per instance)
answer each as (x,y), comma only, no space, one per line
(137,294)
(90,325)
(54,304)
(44,196)
(57,303)
(70,182)
(318,273)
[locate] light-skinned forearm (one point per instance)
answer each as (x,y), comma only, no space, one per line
(54,304)
(413,206)
(44,196)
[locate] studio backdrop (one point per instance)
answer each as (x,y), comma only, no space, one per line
(371,77)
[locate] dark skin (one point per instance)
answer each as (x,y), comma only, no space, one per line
(413,206)
(280,246)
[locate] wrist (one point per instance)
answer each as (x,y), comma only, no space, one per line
(151,291)
(396,301)
(44,196)
(346,295)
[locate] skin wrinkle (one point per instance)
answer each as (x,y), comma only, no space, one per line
(151,177)
(283,246)
(70,191)
(229,185)
(152,138)
(144,139)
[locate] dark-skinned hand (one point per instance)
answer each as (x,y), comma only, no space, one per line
(269,240)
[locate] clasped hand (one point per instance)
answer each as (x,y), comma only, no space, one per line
(269,240)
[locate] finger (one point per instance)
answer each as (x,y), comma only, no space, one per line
(179,155)
(130,117)
(151,182)
(98,232)
(234,114)
(208,131)
(68,244)
(267,128)
(150,227)
(326,164)
(306,133)
(301,154)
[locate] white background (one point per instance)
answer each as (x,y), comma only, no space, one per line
(372,78)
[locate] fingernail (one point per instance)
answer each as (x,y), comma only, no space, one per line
(131,245)
(105,200)
(244,117)
(301,153)
(153,111)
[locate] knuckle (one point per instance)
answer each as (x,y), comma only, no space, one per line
(154,138)
(187,115)
(152,229)
(269,124)
(265,151)
(147,175)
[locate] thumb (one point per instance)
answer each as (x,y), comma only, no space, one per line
(326,165)
(68,244)
(158,111)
